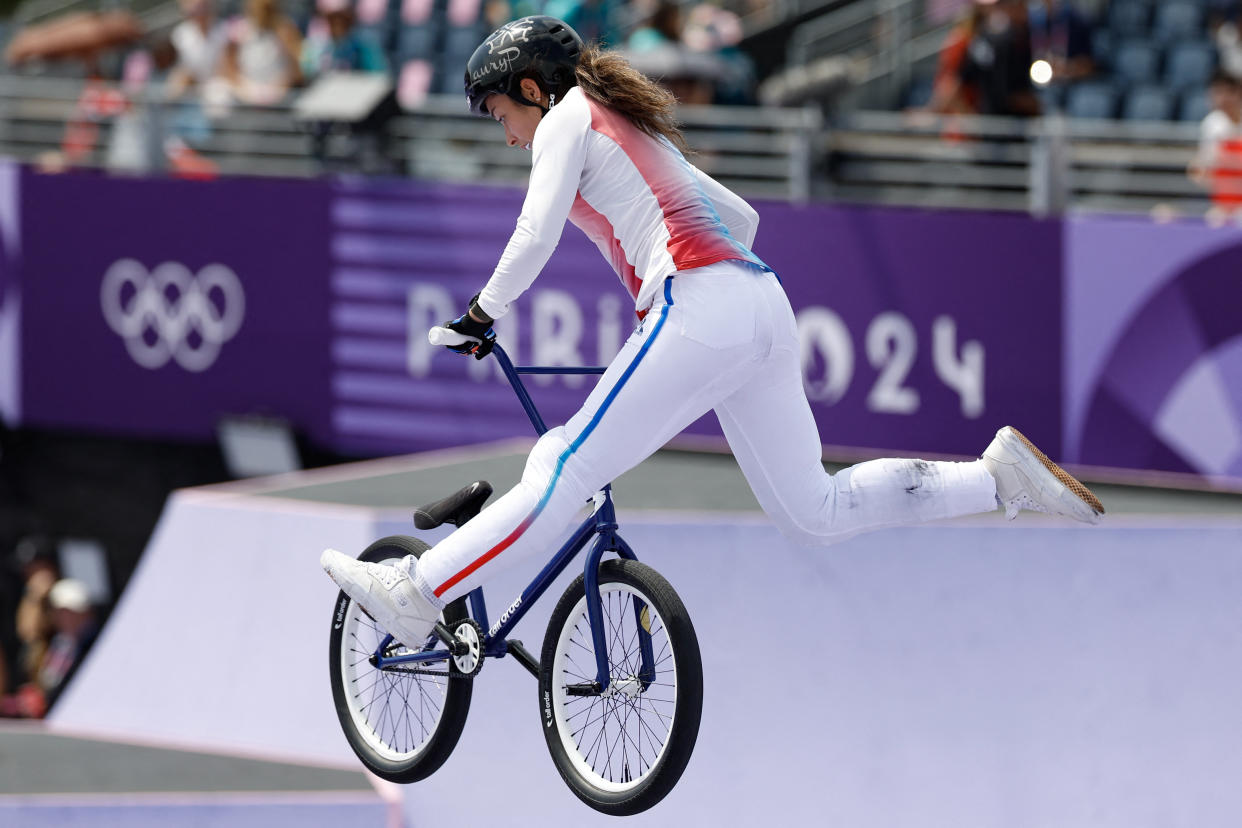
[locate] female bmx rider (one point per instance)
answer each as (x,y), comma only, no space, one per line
(717,333)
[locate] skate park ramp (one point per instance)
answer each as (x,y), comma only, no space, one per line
(971,673)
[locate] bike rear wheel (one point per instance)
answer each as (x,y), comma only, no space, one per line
(402,724)
(621,751)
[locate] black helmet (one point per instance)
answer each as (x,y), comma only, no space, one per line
(541,46)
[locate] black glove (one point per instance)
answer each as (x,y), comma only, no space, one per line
(480,332)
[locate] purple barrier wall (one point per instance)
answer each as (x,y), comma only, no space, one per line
(156,307)
(1154,340)
(898,355)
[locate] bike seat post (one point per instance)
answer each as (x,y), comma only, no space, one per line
(605,511)
(478,607)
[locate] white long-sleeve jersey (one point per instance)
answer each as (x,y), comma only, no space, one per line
(649,211)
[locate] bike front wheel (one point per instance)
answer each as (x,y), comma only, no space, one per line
(403,721)
(623,748)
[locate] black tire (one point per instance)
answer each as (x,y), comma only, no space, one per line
(654,724)
(403,726)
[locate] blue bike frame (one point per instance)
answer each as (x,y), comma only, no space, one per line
(599,530)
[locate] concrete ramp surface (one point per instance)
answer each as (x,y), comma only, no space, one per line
(966,674)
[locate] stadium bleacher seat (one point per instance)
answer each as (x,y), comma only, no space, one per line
(1136,62)
(1091,100)
(1148,103)
(1178,20)
(465,30)
(418,32)
(1052,97)
(1189,65)
(414,83)
(1195,105)
(919,92)
(1129,18)
(1102,41)
(375,20)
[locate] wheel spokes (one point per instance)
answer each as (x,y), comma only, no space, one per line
(397,712)
(620,734)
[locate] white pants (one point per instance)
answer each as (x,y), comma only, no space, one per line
(721,337)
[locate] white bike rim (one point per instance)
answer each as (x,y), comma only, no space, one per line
(365,688)
(580,762)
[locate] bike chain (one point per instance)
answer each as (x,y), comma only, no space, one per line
(452,671)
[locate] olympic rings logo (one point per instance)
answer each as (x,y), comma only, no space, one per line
(170,313)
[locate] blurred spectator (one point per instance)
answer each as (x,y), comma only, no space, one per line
(1218,163)
(952,94)
(714,31)
(661,29)
(141,138)
(497,13)
(74,629)
(656,49)
(1061,36)
(200,41)
(593,20)
(34,620)
(261,58)
(1227,37)
(34,558)
(99,102)
(334,44)
(998,60)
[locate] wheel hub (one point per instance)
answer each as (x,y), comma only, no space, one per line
(629,686)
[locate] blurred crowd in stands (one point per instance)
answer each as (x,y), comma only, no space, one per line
(161,92)
(47,624)
(1136,60)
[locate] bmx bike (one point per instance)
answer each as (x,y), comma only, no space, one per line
(620,677)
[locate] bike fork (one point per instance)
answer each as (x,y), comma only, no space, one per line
(609,542)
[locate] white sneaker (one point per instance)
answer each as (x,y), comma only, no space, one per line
(1027,479)
(387,593)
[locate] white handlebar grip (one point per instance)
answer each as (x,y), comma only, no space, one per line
(444,336)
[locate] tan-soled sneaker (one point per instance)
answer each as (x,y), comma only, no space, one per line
(1027,479)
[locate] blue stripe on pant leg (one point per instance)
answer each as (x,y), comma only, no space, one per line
(612,395)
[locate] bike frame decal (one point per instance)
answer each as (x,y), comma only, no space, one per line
(602,526)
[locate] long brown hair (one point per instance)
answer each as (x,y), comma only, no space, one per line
(611,80)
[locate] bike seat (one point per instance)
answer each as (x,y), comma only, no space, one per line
(455,509)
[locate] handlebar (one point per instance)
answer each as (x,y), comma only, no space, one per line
(443,336)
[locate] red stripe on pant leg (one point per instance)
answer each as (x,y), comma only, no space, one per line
(485,557)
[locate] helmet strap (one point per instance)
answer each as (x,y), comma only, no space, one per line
(542,109)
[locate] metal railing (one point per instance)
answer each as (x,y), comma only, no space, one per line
(884,40)
(757,152)
(1042,165)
